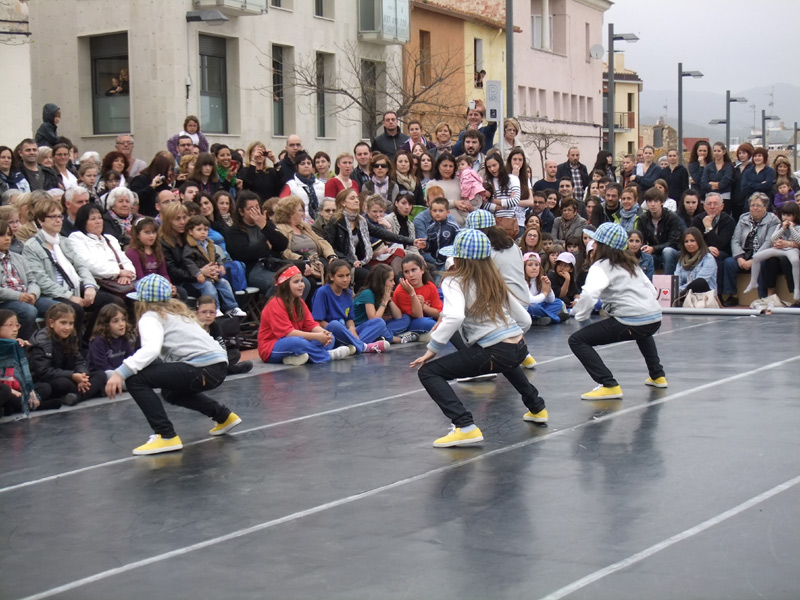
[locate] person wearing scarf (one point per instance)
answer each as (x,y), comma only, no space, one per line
(60,272)
(382,179)
(119,217)
(697,269)
(305,186)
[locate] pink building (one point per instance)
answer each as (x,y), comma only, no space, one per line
(558,77)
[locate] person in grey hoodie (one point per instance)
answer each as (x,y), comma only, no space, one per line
(47,134)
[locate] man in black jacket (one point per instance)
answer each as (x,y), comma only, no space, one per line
(361,173)
(717,227)
(575,171)
(286,167)
(392,139)
(39,177)
(662,231)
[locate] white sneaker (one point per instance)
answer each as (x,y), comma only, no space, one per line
(219,313)
(237,312)
(339,353)
(295,359)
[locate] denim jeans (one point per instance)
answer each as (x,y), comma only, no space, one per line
(502,358)
(668,259)
(295,345)
(609,331)
(221,291)
(182,385)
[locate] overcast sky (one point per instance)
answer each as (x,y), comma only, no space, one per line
(736,44)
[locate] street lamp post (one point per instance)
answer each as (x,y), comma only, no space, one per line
(764,118)
(681,75)
(795,146)
(728,101)
(612,37)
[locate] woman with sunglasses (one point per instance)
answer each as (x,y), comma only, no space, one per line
(382,181)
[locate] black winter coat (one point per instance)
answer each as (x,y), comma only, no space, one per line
(48,361)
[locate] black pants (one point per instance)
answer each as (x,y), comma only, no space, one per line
(610,331)
(61,386)
(181,384)
(10,404)
(772,267)
(501,358)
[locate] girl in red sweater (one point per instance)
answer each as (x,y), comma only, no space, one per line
(288,332)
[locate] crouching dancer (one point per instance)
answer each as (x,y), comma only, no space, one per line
(476,302)
(176,355)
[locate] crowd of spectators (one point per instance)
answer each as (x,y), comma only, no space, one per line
(80,230)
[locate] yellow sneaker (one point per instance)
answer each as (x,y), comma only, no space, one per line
(232,421)
(156,445)
(603,393)
(456,437)
(658,382)
(529,362)
(539,417)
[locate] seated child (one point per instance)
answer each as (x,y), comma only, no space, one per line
(785,193)
(562,278)
(783,239)
(110,344)
(288,333)
(543,306)
(207,315)
(471,183)
(198,252)
(417,296)
(441,233)
(381,253)
(374,313)
(549,257)
(332,308)
(55,358)
(635,243)
(18,393)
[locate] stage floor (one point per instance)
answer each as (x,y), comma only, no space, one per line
(331,488)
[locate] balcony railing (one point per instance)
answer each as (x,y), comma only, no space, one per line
(622,120)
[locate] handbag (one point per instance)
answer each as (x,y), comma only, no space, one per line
(701,300)
(112,285)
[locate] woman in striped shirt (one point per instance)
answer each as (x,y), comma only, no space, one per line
(506,194)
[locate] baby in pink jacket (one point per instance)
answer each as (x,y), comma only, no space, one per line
(471,182)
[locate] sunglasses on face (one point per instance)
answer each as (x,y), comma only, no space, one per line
(380,166)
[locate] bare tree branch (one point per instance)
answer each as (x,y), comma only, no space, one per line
(544,140)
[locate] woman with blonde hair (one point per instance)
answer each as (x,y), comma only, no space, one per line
(304,243)
(176,355)
(479,305)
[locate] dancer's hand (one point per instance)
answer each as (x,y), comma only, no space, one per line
(114,385)
(422,359)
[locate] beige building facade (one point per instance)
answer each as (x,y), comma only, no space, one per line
(627,87)
(141,66)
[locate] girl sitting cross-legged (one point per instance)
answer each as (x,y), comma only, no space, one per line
(288,332)
(332,307)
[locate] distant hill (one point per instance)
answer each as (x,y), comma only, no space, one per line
(701,107)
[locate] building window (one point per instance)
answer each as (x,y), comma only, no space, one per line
(326,123)
(370,83)
(539,35)
(284,4)
(323,8)
(213,85)
(425,57)
(111,107)
(630,103)
(477,54)
(278,92)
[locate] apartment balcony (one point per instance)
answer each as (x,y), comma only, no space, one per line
(623,122)
(233,8)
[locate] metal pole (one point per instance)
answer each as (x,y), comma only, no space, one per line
(680,113)
(764,129)
(610,95)
(795,146)
(509,64)
(727,121)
